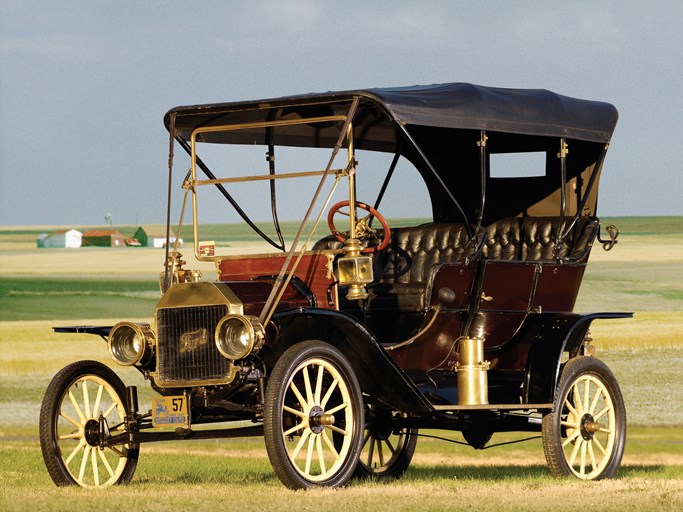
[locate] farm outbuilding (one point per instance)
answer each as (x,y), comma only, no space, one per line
(154,236)
(65,238)
(103,238)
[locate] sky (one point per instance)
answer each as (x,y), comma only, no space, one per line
(84,84)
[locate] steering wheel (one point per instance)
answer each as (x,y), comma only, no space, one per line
(362,230)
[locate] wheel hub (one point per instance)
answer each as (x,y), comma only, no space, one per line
(92,432)
(588,426)
(318,420)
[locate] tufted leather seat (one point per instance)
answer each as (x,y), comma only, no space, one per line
(403,269)
(533,239)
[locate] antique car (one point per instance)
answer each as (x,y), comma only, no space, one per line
(338,343)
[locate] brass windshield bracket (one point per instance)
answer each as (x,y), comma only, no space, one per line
(564,150)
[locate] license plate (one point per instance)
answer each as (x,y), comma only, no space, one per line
(170,411)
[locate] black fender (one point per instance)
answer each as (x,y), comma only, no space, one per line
(379,376)
(558,333)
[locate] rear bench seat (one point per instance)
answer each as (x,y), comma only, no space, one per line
(533,239)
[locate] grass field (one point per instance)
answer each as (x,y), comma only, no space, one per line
(42,288)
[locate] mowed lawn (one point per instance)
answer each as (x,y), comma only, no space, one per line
(42,288)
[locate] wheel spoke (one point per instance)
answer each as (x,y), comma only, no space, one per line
(78,448)
(329,392)
(601,413)
(110,409)
(575,452)
(300,444)
(338,408)
(77,407)
(380,453)
(330,445)
(309,454)
(70,419)
(591,454)
(583,458)
(571,438)
(577,399)
(295,428)
(597,443)
(371,451)
(571,409)
(391,447)
(321,457)
(295,412)
(338,430)
(586,395)
(97,401)
(307,384)
(596,399)
(95,468)
(86,399)
(319,384)
(73,435)
(298,394)
(84,463)
(570,424)
(106,463)
(366,438)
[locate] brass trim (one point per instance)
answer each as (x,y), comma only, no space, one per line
(265,177)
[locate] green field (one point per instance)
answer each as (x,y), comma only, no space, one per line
(40,288)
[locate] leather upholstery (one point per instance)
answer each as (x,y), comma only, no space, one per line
(403,270)
(533,239)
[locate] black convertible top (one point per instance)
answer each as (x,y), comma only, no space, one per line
(536,112)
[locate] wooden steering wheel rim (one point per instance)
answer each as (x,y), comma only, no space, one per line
(339,236)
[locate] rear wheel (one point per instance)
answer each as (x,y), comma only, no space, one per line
(585,433)
(84,404)
(313,417)
(387,451)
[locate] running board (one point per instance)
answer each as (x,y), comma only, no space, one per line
(492,407)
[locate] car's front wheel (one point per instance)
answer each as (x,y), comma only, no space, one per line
(313,417)
(83,405)
(585,433)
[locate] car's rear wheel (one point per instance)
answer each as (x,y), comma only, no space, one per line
(387,451)
(313,417)
(84,404)
(585,433)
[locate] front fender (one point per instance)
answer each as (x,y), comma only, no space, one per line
(562,332)
(379,376)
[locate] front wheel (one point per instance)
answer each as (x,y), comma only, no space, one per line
(585,433)
(313,417)
(83,405)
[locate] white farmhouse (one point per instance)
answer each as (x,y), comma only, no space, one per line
(65,238)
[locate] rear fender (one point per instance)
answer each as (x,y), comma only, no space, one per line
(559,333)
(379,376)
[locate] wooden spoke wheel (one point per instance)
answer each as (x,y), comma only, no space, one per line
(387,451)
(585,434)
(83,405)
(313,417)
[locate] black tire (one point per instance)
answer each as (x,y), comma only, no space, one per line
(311,437)
(70,427)
(386,452)
(477,438)
(585,433)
